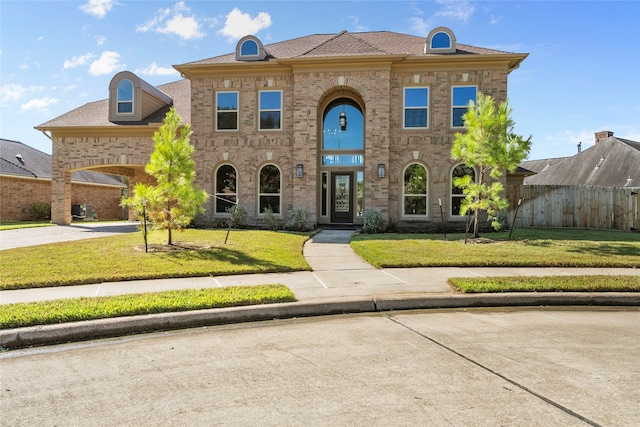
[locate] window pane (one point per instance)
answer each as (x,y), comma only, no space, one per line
(249,47)
(125,107)
(416,97)
(269,120)
(272,202)
(415,180)
(227,121)
(343,160)
(225,203)
(125,91)
(415,118)
(226,179)
(462,95)
(227,101)
(269,180)
(270,100)
(455,205)
(440,41)
(457,114)
(415,205)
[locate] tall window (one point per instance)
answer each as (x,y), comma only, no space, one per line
(415,190)
(460,97)
(125,96)
(457,196)
(270,109)
(226,189)
(416,107)
(227,110)
(270,184)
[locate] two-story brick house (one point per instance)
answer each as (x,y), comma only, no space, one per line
(329,123)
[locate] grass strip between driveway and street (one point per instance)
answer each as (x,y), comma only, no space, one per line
(546,284)
(79,309)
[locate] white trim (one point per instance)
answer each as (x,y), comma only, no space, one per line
(426,215)
(405,108)
(460,106)
(279,213)
(280,110)
(237,111)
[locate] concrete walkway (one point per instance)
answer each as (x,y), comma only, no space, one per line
(340,282)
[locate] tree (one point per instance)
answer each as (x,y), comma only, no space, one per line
(490,145)
(174,201)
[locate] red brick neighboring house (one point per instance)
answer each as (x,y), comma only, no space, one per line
(25,179)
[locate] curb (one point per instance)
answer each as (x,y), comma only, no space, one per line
(105,328)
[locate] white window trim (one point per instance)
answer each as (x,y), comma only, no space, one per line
(440,48)
(133,96)
(236,111)
(215,189)
(460,106)
(280,110)
(404,107)
(426,215)
(458,196)
(260,213)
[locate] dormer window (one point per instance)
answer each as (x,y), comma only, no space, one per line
(249,48)
(125,97)
(440,40)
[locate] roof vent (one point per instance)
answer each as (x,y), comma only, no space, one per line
(19,157)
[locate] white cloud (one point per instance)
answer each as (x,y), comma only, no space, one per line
(460,10)
(174,22)
(240,24)
(39,104)
(98,8)
(108,63)
(76,61)
(11,93)
(154,70)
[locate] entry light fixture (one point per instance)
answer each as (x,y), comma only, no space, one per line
(299,170)
(343,120)
(381,170)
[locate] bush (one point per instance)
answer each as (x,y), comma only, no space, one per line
(238,216)
(270,221)
(299,220)
(373,222)
(40,211)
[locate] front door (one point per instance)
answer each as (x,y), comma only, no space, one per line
(342,197)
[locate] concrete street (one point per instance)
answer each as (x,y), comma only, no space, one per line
(465,367)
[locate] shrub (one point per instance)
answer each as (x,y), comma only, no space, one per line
(40,211)
(238,216)
(299,220)
(270,220)
(373,222)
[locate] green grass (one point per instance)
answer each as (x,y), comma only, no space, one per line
(547,284)
(78,309)
(14,225)
(123,257)
(527,248)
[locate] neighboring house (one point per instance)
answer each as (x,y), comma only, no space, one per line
(25,179)
(596,188)
(329,123)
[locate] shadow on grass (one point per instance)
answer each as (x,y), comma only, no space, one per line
(605,249)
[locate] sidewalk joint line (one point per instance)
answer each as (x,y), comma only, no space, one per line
(218,284)
(394,277)
(97,290)
(318,279)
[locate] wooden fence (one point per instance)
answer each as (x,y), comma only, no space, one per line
(603,208)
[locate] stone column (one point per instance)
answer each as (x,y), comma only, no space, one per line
(60,196)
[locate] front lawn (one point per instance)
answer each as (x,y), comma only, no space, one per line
(547,284)
(122,257)
(527,248)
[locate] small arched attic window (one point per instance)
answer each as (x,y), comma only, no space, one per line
(132,99)
(250,48)
(440,40)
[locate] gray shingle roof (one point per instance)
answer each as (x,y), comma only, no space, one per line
(20,160)
(349,44)
(614,162)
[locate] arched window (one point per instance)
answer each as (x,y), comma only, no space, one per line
(226,189)
(441,40)
(457,195)
(415,190)
(269,191)
(248,48)
(125,96)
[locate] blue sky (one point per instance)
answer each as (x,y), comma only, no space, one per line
(581,76)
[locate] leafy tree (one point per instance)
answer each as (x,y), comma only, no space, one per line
(174,201)
(490,145)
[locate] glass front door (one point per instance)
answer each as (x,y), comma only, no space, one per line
(342,197)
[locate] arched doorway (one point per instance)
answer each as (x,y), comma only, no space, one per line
(342,163)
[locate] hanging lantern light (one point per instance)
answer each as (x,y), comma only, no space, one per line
(343,120)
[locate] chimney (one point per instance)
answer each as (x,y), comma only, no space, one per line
(602,135)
